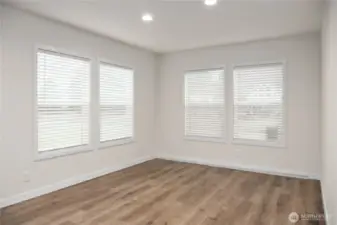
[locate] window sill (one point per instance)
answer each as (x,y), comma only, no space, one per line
(258,143)
(123,141)
(204,139)
(40,156)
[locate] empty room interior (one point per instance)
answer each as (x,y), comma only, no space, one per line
(160,112)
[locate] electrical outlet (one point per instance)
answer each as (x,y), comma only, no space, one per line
(26,177)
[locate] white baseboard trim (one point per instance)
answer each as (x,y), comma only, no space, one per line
(67,183)
(326,214)
(240,167)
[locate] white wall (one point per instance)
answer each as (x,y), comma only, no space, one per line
(21,32)
(2,160)
(159,109)
(302,154)
(329,118)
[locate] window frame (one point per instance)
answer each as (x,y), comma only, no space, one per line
(68,150)
(278,144)
(121,141)
(223,139)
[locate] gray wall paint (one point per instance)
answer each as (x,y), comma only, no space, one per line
(329,118)
(21,33)
(302,154)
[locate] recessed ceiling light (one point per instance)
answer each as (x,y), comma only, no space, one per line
(147,17)
(210,2)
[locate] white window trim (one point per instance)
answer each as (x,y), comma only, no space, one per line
(121,141)
(223,139)
(283,143)
(205,139)
(62,152)
(69,150)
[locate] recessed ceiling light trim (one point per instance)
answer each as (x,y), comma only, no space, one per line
(147,17)
(210,2)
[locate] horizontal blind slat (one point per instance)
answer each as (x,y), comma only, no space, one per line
(204,103)
(116,102)
(63,101)
(258,102)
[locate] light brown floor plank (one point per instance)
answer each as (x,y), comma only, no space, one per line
(162,192)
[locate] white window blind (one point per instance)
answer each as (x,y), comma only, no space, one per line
(116,103)
(62,101)
(205,104)
(258,103)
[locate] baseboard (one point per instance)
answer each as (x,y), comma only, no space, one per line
(326,214)
(76,180)
(67,183)
(240,167)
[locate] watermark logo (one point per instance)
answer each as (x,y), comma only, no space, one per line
(294,217)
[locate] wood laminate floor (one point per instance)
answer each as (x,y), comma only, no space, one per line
(162,192)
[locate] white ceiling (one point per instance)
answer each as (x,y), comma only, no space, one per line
(183,24)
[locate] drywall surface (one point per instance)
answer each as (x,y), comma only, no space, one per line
(329,102)
(21,33)
(300,157)
(2,160)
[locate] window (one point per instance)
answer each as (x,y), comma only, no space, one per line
(258,103)
(205,104)
(62,101)
(116,103)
